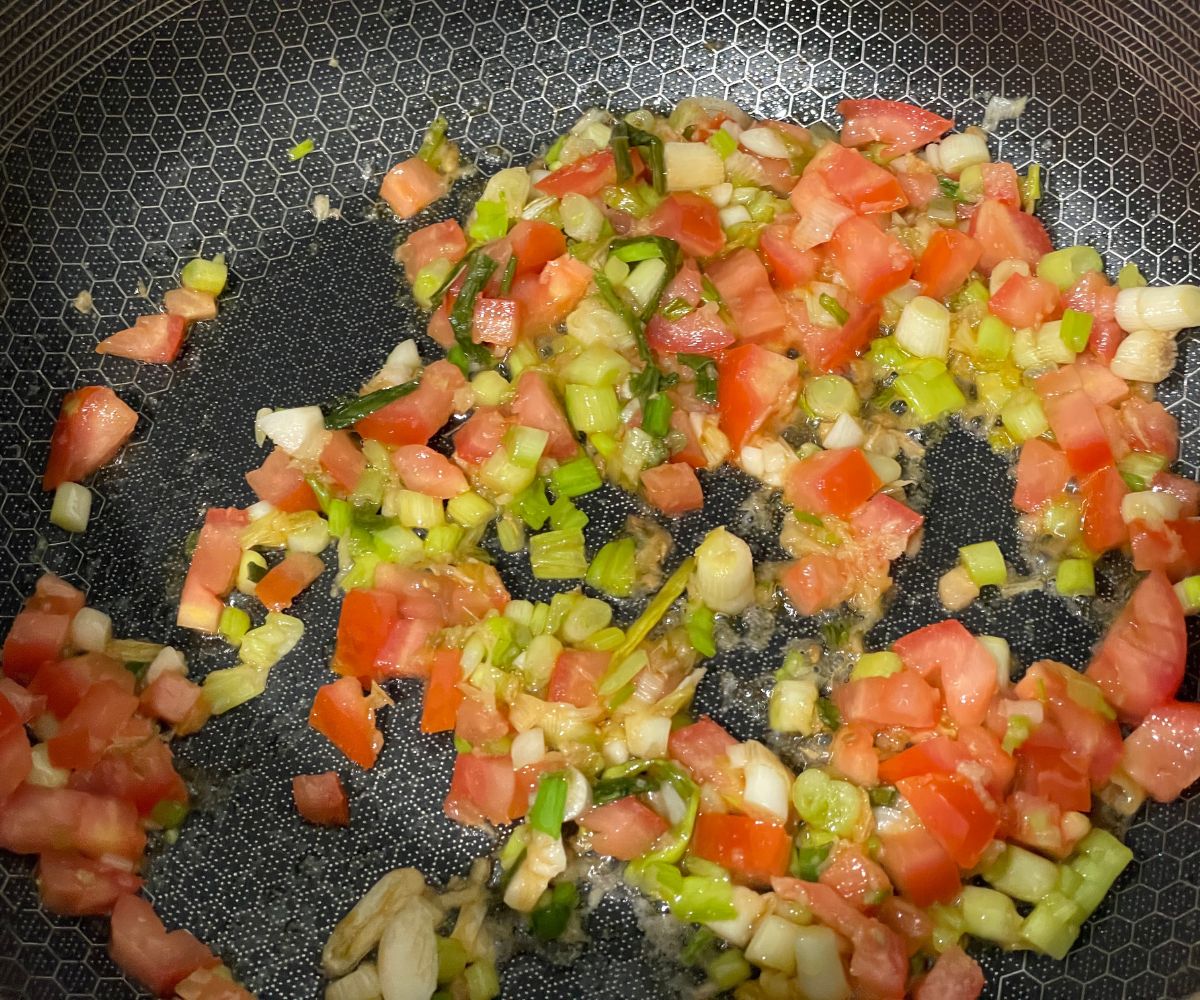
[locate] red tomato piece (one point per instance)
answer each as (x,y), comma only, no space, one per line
(745,289)
(866,187)
(479,723)
(954,976)
(1102,493)
(575,676)
(838,481)
(342,460)
(23,703)
(939,755)
(547,298)
(1079,432)
(477,439)
(141,947)
(55,596)
(415,418)
(1000,184)
(282,484)
(953,813)
(535,405)
(1024,302)
(285,581)
(1163,753)
(817,581)
(496,322)
(1150,427)
(948,260)
(1005,233)
(190,305)
(752,385)
(1186,491)
(908,920)
(442,694)
(419,593)
(691,220)
(870,261)
(753,851)
(903,699)
(986,751)
(64,682)
(832,348)
(1093,294)
(624,829)
(439,241)
(411,186)
(535,243)
(405,652)
(364,623)
(1101,385)
(481,790)
(690,450)
(673,488)
(35,638)
(901,127)
(688,284)
(967,670)
(156,339)
(76,886)
(209,984)
(92,726)
(36,819)
(142,774)
(1040,824)
(820,212)
(173,699)
(439,328)
(586,176)
(213,569)
(886,524)
(321,799)
(856,878)
(703,749)
(1172,547)
(427,471)
(701,331)
(92,426)
(344,716)
(1046,772)
(853,754)
(918,182)
(790,266)
(1141,660)
(1042,474)
(16,755)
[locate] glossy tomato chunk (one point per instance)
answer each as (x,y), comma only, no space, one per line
(321,799)
(345,716)
(92,425)
(142,948)
(752,385)
(691,220)
(1163,753)
(838,481)
(415,418)
(481,789)
(411,186)
(899,126)
(78,886)
(745,289)
(870,261)
(282,484)
(966,670)
(673,488)
(624,829)
(751,850)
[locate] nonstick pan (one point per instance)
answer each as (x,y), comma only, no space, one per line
(135,135)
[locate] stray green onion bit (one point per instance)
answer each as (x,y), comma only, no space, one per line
(347,413)
(462,316)
(169,814)
(614,568)
(700,631)
(553,911)
(575,478)
(431,144)
(301,150)
(208,276)
(834,308)
(656,415)
(1075,330)
(550,804)
(1075,578)
(510,273)
(984,563)
(706,375)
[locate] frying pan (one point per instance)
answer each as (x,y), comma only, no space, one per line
(135,135)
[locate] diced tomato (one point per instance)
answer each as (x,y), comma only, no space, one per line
(703,748)
(546,299)
(820,212)
(439,329)
(753,851)
(142,948)
(1150,427)
(690,220)
(24,704)
(886,524)
(903,699)
(343,460)
(1102,493)
(586,176)
(1163,753)
(690,450)
(481,789)
(687,285)
(673,488)
(442,695)
(365,620)
(92,726)
(156,338)
(439,241)
(1094,295)
(1024,302)
(918,181)
(1172,547)
(745,289)
(1079,432)
(948,260)
(422,469)
(1046,772)
(479,723)
(1141,660)
(624,829)
(701,331)
(321,799)
(752,384)
(213,568)
(953,813)
(1042,474)
(285,581)
(535,405)
(477,439)
(575,676)
(282,484)
(853,754)
(141,773)
(838,481)
(865,186)
(36,819)
(901,127)
(966,668)
(35,638)
(1005,233)
(1000,184)
(343,715)
(209,984)
(418,593)
(405,652)
(856,878)
(415,418)
(985,750)
(92,426)
(76,886)
(938,755)
(16,755)
(411,186)
(817,581)
(1186,491)
(832,348)
(190,305)
(870,261)
(54,595)
(1101,385)
(496,322)
(954,976)
(535,243)
(789,265)
(173,699)
(1040,824)
(908,920)
(64,682)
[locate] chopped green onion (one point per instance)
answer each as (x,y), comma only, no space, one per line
(622,672)
(565,516)
(834,308)
(1076,578)
(169,814)
(431,144)
(510,274)
(725,144)
(525,445)
(652,147)
(984,563)
(613,570)
(234,625)
(1130,277)
(610,789)
(827,803)
(990,915)
(435,299)
(807,862)
(1188,592)
(462,316)
(470,510)
(1066,266)
(882,664)
(550,804)
(676,309)
(482,981)
(656,416)
(622,309)
(1031,188)
(553,912)
(576,478)
(883,795)
(452,959)
(558,555)
(1075,330)
(339,514)
(72,507)
(949,188)
(346,413)
(1017,731)
(443,539)
(619,141)
(705,369)
(1053,925)
(207,276)
(461,745)
(301,149)
(418,510)
(675,585)
(490,221)
(632,249)
(700,631)
(532,506)
(828,713)
(397,544)
(1021,874)
(232,686)
(930,398)
(1023,416)
(994,339)
(593,409)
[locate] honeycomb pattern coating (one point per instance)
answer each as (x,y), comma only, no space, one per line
(178,145)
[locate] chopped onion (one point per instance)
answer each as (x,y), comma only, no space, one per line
(1005,270)
(737,930)
(544,858)
(1167,308)
(647,735)
(581,219)
(692,166)
(1145,356)
(767,789)
(401,365)
(764,142)
(720,194)
(298,430)
(43,773)
(1002,109)
(961,150)
(615,751)
(886,468)
(846,432)
(724,578)
(407,958)
(1032,710)
(168,661)
(528,748)
(579,792)
(257,511)
(91,630)
(818,964)
(510,186)
(924,328)
(1000,652)
(773,945)
(361,984)
(72,507)
(733,215)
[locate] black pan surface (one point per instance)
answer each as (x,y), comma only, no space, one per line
(134,136)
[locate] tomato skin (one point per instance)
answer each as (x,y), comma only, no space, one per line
(953,813)
(870,261)
(673,488)
(281,484)
(586,176)
(156,338)
(440,240)
(35,638)
(967,670)
(790,266)
(752,851)
(411,186)
(816,582)
(903,699)
(321,799)
(1078,429)
(1047,773)
(1039,824)
(536,406)
(1102,493)
(623,829)
(341,714)
(948,260)
(91,727)
(1042,474)
(1140,662)
(856,878)
(701,331)
(691,220)
(1163,753)
(575,676)
(427,471)
(745,288)
(903,127)
(481,790)
(75,886)
(1172,548)
(64,682)
(954,976)
(1004,232)
(837,481)
(442,695)
(142,948)
(92,425)
(36,819)
(415,418)
(1024,301)
(285,581)
(547,298)
(476,440)
(18,705)
(364,622)
(866,187)
(752,384)
(342,460)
